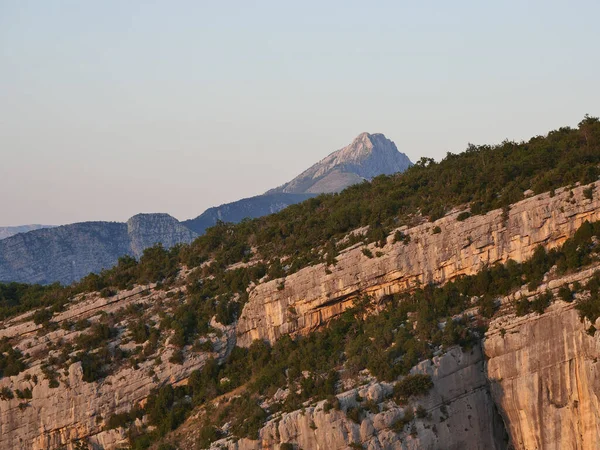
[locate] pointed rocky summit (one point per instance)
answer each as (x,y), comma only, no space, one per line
(366,157)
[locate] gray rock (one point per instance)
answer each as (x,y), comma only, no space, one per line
(70,252)
(368,156)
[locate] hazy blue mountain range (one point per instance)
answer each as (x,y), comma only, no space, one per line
(11,231)
(69,252)
(260,205)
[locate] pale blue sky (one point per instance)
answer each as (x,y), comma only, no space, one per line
(111,108)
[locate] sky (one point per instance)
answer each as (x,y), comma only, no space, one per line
(112,108)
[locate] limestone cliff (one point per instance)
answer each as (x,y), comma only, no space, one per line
(460,415)
(540,374)
(460,248)
(70,252)
(545,375)
(75,409)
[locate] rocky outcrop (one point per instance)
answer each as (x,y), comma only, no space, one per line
(312,296)
(366,157)
(251,208)
(58,416)
(70,252)
(460,415)
(545,375)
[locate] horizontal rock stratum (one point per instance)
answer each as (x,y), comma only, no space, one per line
(460,248)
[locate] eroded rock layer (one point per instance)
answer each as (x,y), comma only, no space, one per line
(545,375)
(312,296)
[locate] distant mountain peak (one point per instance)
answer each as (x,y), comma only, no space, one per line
(366,157)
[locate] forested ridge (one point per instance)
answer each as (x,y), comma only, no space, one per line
(408,328)
(484,177)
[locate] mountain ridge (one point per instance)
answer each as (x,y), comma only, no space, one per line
(6,232)
(70,252)
(367,156)
(54,255)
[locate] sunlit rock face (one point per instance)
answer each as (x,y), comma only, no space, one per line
(368,156)
(545,375)
(55,417)
(310,297)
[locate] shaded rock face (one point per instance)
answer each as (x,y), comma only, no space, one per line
(145,230)
(460,408)
(252,207)
(545,376)
(11,231)
(366,157)
(70,252)
(461,248)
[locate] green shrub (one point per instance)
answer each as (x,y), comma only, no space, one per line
(354,414)
(177,357)
(11,359)
(523,307)
(541,302)
(42,316)
(565,293)
(399,236)
(6,393)
(422,412)
(412,385)
(463,216)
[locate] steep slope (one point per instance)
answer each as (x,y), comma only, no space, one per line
(460,248)
(253,207)
(459,410)
(11,231)
(74,407)
(69,252)
(460,415)
(366,157)
(374,295)
(544,371)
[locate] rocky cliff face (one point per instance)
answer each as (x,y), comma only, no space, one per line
(543,369)
(58,416)
(69,252)
(145,230)
(460,415)
(366,157)
(545,374)
(540,372)
(461,248)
